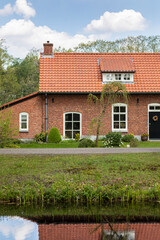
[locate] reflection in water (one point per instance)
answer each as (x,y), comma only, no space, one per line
(135,231)
(16,228)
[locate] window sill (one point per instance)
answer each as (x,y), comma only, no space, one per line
(25,131)
(119,130)
(124,82)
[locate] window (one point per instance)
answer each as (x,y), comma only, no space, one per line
(127,77)
(72,124)
(23,122)
(154,107)
(119,117)
(109,77)
(122,77)
(118,76)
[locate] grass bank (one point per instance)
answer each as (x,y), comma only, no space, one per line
(93,178)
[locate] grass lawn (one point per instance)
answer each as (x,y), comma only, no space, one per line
(63,144)
(92,178)
(73,144)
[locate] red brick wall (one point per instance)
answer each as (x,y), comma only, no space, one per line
(137,113)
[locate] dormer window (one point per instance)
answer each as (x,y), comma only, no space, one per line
(117,69)
(121,77)
(109,77)
(118,76)
(127,77)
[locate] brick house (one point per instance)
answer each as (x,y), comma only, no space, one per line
(65,81)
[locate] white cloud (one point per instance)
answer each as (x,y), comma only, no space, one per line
(17,228)
(22,35)
(21,7)
(7,10)
(124,21)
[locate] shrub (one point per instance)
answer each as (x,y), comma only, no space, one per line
(16,141)
(127,138)
(134,142)
(40,137)
(77,137)
(113,139)
(54,135)
(85,142)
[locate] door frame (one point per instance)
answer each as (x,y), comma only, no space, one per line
(152,110)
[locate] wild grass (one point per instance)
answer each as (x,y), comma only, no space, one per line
(80,179)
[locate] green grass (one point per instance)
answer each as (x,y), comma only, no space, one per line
(63,144)
(148,144)
(92,178)
(73,144)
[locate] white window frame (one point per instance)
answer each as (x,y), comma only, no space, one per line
(126,113)
(112,77)
(20,122)
(64,114)
(153,105)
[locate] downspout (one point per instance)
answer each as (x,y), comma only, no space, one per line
(46,103)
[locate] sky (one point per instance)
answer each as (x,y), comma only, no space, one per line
(27,24)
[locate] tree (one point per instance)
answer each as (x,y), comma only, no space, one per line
(7,130)
(27,73)
(111,93)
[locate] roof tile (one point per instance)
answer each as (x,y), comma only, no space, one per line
(81,72)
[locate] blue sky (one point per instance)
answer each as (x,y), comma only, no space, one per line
(25,24)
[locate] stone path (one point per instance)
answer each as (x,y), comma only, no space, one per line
(65,151)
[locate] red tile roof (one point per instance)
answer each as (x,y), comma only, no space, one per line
(19,100)
(143,231)
(116,65)
(80,72)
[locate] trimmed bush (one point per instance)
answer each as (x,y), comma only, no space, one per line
(127,137)
(54,135)
(113,139)
(85,143)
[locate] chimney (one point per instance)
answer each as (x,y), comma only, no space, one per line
(48,48)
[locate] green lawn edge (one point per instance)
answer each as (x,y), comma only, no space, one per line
(80,179)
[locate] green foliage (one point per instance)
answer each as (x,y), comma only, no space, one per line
(111,93)
(134,142)
(54,135)
(7,131)
(16,141)
(86,178)
(18,77)
(130,44)
(127,137)
(77,137)
(85,143)
(113,139)
(40,137)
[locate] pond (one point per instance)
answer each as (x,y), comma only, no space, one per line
(79,222)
